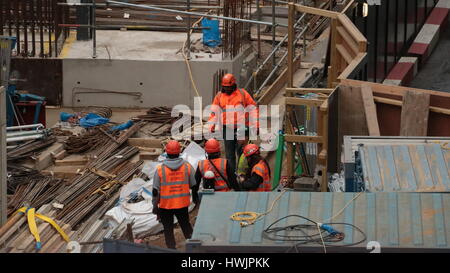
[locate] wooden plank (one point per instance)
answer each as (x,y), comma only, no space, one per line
(150,155)
(300,101)
(316,11)
(303,139)
(348,40)
(344,53)
(45,159)
(309,90)
(415,111)
(349,4)
(354,32)
(71,162)
(145,142)
(59,155)
(333,73)
(352,120)
(352,66)
(324,106)
(391,89)
(399,103)
(370,111)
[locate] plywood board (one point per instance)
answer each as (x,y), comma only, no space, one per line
(415,112)
(370,111)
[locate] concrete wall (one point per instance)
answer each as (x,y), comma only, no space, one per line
(160,82)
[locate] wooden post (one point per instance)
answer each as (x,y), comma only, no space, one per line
(332,75)
(290,84)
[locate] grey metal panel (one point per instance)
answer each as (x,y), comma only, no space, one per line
(398,221)
(351,143)
(419,167)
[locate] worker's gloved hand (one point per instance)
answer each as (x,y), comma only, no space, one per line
(155,211)
(212,128)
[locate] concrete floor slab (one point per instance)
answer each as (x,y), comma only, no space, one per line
(136,45)
(435,74)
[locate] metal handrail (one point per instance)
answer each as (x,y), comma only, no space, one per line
(256,93)
(276,48)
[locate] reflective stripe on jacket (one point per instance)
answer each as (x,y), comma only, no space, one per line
(221,165)
(174,192)
(261,170)
(232,108)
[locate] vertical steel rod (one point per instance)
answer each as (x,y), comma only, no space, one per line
(49,25)
(274,57)
(94,34)
(41,27)
(17,27)
(25,14)
(33,29)
(188,29)
(258,27)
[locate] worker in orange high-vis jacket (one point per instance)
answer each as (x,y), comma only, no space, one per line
(260,171)
(234,111)
(172,182)
(222,176)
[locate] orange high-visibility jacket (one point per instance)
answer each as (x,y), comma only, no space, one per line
(174,191)
(233,109)
(221,165)
(261,170)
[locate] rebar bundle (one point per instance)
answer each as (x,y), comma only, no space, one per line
(92,139)
(29,148)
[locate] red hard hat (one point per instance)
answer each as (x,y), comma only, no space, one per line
(212,146)
(173,147)
(250,149)
(228,80)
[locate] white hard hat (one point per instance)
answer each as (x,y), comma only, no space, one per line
(209,175)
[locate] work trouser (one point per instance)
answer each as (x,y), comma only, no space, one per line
(167,221)
(232,148)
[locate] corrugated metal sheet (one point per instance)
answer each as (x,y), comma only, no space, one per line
(398,221)
(422,168)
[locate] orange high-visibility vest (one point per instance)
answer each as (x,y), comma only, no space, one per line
(221,165)
(261,170)
(233,108)
(174,191)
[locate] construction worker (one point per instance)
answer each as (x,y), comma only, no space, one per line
(223,177)
(238,115)
(260,170)
(171,195)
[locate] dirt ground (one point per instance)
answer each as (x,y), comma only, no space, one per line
(158,239)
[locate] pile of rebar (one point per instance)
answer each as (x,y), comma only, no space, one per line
(34,191)
(161,114)
(29,148)
(90,140)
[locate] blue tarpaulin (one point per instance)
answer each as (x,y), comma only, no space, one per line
(91,120)
(63,116)
(211,36)
(122,126)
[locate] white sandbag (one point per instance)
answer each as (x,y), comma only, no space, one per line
(193,154)
(150,168)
